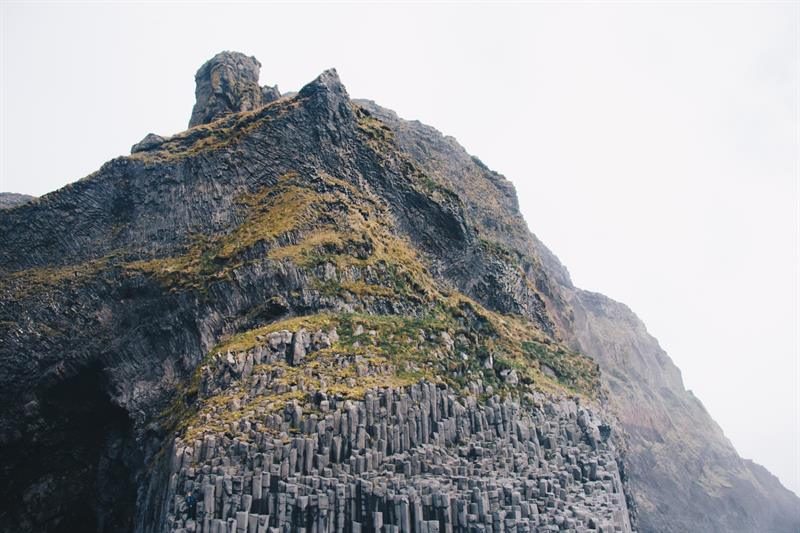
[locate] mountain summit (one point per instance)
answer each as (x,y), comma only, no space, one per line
(305,313)
(228,83)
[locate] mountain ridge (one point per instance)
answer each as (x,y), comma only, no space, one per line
(162,278)
(668,373)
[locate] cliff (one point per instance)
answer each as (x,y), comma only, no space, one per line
(306,313)
(685,476)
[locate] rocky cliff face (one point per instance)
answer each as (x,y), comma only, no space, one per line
(684,473)
(305,313)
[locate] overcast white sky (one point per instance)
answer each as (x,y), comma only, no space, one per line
(654,147)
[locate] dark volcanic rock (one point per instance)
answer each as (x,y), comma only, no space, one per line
(316,315)
(150,141)
(268,94)
(117,289)
(684,473)
(228,83)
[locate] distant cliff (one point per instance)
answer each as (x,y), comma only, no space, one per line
(307,314)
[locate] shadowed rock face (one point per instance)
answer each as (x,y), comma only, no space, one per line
(315,314)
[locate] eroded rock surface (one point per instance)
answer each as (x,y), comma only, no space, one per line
(228,83)
(416,459)
(309,314)
(685,474)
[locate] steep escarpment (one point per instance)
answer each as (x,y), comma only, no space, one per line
(280,319)
(684,474)
(307,313)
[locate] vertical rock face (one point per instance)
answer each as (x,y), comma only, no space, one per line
(413,459)
(259,307)
(684,473)
(228,83)
(315,316)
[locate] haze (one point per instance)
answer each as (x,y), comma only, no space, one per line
(654,147)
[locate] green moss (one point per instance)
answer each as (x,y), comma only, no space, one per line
(376,133)
(183,407)
(309,221)
(249,339)
(24,283)
(271,212)
(395,351)
(223,132)
(577,372)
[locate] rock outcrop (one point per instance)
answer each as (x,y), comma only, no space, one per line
(418,458)
(228,83)
(310,315)
(150,142)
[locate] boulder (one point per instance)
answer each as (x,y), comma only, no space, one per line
(150,141)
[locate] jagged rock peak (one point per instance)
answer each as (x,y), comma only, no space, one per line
(228,83)
(328,81)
